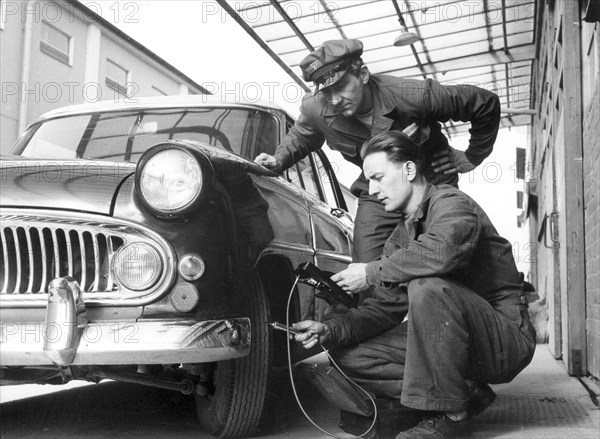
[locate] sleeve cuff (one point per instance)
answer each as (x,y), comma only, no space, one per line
(374,273)
(475,160)
(334,333)
(283,165)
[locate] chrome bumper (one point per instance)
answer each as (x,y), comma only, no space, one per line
(67,338)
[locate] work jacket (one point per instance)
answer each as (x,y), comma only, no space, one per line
(449,236)
(397,104)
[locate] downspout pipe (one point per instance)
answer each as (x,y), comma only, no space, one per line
(25,67)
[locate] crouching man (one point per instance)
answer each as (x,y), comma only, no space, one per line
(448,315)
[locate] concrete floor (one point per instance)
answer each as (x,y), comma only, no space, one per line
(542,402)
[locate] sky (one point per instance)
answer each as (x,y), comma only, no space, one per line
(204,42)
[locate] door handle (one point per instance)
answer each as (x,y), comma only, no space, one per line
(337,212)
(554,227)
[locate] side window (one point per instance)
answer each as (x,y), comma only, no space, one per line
(326,182)
(260,134)
(329,236)
(301,174)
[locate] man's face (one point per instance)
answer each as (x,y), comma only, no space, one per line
(346,95)
(389,181)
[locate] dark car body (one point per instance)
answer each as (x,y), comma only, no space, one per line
(141,243)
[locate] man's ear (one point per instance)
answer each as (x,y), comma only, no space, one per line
(411,170)
(364,74)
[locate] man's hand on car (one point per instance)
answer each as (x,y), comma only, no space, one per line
(268,161)
(353,279)
(451,161)
(311,333)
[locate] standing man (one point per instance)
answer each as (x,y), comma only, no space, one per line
(349,106)
(456,283)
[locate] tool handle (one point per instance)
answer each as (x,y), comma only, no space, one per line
(329,290)
(282,327)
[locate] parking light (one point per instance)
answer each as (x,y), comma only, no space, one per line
(136,266)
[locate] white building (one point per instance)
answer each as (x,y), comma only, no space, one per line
(57,53)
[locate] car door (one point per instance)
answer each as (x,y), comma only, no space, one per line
(331,226)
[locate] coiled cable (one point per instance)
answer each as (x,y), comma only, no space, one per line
(289,358)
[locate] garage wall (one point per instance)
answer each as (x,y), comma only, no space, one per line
(591,184)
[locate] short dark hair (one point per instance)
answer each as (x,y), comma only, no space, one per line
(398,147)
(355,66)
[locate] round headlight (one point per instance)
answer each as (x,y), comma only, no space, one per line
(137,266)
(170,180)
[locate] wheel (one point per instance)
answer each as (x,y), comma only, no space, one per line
(237,404)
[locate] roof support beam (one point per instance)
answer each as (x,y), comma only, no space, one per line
(262,44)
(488,29)
(505,38)
(291,24)
(518,53)
(507,110)
(425,50)
(333,19)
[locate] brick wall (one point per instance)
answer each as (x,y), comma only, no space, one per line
(591,187)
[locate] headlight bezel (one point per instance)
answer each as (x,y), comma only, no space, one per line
(206,184)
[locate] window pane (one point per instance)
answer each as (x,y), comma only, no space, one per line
(126,135)
(330,237)
(327,185)
(57,141)
(116,72)
(55,38)
(55,43)
(308,177)
(261,131)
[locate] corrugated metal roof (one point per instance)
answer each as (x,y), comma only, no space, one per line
(481,42)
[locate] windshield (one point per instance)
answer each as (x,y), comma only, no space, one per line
(124,136)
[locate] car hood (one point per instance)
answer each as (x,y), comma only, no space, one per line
(81,185)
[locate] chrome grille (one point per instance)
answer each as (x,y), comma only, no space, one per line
(38,246)
(32,256)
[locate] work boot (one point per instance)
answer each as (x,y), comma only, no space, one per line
(481,396)
(439,426)
(442,426)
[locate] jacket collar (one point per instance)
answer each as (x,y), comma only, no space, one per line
(382,107)
(413,222)
(424,205)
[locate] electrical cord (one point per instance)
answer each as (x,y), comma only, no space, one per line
(289,357)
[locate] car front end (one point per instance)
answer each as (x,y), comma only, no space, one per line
(140,244)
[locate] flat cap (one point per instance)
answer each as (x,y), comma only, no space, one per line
(327,64)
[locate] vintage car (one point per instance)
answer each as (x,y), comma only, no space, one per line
(140,243)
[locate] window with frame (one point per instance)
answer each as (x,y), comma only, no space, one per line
(330,237)
(117,77)
(56,43)
(123,136)
(301,174)
(326,180)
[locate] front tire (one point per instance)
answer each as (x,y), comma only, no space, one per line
(238,402)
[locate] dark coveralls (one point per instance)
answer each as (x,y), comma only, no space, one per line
(467,317)
(398,103)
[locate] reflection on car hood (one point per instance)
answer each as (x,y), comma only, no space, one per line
(82,185)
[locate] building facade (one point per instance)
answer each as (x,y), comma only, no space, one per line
(57,53)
